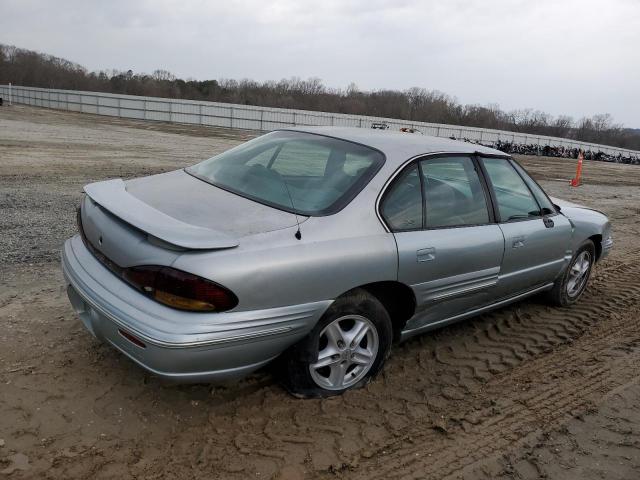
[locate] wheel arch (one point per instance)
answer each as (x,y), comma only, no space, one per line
(597,243)
(398,300)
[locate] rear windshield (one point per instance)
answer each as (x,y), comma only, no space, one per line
(293,171)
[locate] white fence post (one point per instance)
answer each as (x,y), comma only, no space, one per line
(9,93)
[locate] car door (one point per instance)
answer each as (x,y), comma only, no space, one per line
(536,237)
(449,247)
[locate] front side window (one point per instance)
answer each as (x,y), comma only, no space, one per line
(402,204)
(515,201)
(294,171)
(453,193)
(543,200)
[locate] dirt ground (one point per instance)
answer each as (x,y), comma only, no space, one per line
(524,392)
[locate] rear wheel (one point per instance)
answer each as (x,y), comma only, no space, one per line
(570,286)
(345,350)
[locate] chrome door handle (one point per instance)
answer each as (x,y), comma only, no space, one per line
(426,254)
(518,242)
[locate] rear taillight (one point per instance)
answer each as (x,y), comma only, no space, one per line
(180,290)
(167,285)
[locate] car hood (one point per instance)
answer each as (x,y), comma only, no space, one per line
(565,203)
(184,211)
(573,210)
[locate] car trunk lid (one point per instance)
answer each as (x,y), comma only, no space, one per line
(186,212)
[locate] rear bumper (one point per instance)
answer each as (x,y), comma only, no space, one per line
(181,346)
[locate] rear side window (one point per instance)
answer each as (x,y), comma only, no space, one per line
(453,193)
(402,204)
(515,201)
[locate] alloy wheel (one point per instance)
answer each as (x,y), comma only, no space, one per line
(578,274)
(348,347)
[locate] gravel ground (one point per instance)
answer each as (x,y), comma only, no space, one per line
(527,391)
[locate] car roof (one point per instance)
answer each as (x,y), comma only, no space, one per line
(399,145)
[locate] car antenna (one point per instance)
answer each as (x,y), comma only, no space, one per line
(298,233)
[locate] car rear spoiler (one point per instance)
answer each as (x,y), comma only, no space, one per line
(112,195)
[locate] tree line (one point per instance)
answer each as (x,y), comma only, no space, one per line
(34,69)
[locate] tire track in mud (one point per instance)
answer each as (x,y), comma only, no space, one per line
(423,453)
(432,384)
(439,392)
(605,440)
(553,392)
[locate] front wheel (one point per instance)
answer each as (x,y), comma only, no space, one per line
(570,286)
(345,350)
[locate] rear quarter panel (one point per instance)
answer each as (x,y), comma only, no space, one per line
(335,254)
(275,269)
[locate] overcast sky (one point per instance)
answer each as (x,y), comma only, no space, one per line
(576,57)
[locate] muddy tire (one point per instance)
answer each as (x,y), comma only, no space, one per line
(569,287)
(345,350)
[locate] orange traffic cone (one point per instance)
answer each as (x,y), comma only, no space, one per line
(575,182)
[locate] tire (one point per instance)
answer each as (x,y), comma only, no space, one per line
(350,362)
(565,291)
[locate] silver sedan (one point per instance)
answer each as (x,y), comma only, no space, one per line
(318,247)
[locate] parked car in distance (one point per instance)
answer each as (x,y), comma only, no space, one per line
(321,247)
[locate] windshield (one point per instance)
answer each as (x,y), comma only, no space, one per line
(298,172)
